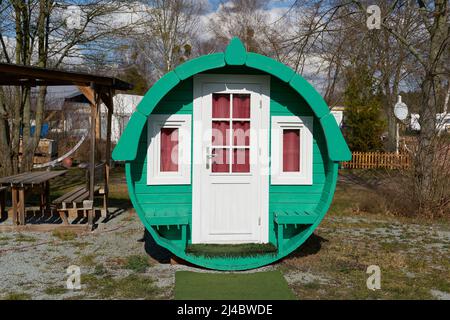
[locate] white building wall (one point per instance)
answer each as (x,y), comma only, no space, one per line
(124,106)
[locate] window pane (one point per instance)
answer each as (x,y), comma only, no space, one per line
(221,160)
(221,105)
(169,150)
(241,133)
(241,160)
(241,106)
(291,150)
(220,133)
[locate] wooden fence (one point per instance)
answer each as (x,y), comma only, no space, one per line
(374,160)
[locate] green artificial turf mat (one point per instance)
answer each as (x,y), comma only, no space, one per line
(231,250)
(269,285)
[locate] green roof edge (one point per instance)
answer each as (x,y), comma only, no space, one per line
(235,54)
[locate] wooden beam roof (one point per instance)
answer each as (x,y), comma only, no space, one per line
(18,75)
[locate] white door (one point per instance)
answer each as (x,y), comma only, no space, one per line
(230,185)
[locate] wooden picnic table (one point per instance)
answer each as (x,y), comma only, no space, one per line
(23,182)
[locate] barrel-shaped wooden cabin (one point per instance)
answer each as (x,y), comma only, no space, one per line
(232,148)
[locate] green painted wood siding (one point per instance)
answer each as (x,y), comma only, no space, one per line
(283,101)
(286,102)
(164,197)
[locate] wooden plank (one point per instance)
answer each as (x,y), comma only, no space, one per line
(64,218)
(168,221)
(77,228)
(18,72)
(18,178)
(14,204)
(88,92)
(74,197)
(9,179)
(165,198)
(50,175)
(68,194)
(21,209)
(2,202)
(110,104)
(33,177)
(40,177)
(294,217)
(85,195)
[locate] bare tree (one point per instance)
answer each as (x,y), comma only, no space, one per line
(165,34)
(246,19)
(45,33)
(411,48)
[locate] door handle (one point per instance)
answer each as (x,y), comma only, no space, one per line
(209,157)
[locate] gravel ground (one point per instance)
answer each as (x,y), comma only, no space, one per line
(33,262)
(33,265)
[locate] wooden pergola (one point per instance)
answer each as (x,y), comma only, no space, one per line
(95,88)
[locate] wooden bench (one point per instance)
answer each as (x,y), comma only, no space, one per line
(283,218)
(3,201)
(69,203)
(170,218)
(77,199)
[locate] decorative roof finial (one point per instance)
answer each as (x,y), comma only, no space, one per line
(235,53)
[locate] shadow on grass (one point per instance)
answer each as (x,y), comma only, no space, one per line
(310,247)
(160,254)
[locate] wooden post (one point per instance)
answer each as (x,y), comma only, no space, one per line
(3,203)
(42,204)
(47,196)
(21,206)
(280,237)
(14,204)
(98,129)
(110,106)
(94,113)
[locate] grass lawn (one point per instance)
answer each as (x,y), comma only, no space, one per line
(229,286)
(412,252)
(358,231)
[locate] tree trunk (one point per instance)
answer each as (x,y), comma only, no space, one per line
(30,142)
(424,160)
(26,131)
(15,132)
(391,121)
(5,154)
(392,131)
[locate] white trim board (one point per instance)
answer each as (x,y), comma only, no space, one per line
(233,84)
(305,176)
(155,123)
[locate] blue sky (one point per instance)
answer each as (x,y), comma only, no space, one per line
(272,3)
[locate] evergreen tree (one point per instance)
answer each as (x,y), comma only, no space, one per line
(363,123)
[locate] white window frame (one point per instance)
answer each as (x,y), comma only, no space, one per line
(155,123)
(305,176)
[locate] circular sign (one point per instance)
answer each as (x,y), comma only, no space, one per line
(401,110)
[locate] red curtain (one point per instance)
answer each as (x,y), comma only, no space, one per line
(241,133)
(221,162)
(169,150)
(241,160)
(291,150)
(220,133)
(221,105)
(241,106)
